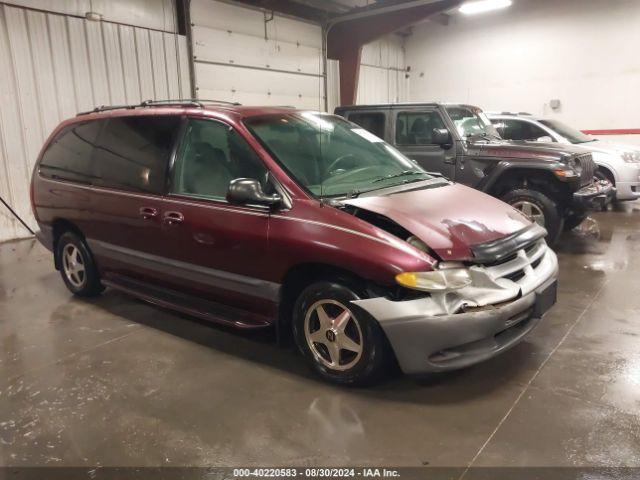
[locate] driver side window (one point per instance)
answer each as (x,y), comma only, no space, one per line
(211,155)
(416,128)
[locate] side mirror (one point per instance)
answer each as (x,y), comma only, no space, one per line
(442,137)
(248,191)
(544,139)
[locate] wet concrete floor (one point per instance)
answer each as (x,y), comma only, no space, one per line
(117,382)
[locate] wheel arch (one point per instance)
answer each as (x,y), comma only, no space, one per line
(609,172)
(301,276)
(510,178)
(59,227)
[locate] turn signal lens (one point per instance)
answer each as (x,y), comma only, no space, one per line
(565,173)
(436,281)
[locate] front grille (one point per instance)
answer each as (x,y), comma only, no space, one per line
(588,168)
(515,267)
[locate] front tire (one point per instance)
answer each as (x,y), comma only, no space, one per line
(343,343)
(539,208)
(572,221)
(604,174)
(77,268)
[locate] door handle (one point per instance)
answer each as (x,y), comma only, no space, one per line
(148,212)
(173,218)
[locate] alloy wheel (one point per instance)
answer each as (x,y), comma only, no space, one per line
(73,265)
(333,334)
(531,211)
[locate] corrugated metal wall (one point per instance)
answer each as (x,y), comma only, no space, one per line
(383,72)
(246,55)
(53,66)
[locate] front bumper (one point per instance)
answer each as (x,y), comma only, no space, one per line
(494,318)
(627,178)
(596,195)
(627,190)
(45,236)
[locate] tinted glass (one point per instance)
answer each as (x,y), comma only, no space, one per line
(416,128)
(374,122)
(331,157)
(519,130)
(69,154)
(211,155)
(570,133)
(133,152)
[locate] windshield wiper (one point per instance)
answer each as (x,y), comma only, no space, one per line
(396,175)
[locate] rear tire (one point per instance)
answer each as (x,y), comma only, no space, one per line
(342,343)
(532,204)
(77,267)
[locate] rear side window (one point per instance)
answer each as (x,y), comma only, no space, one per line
(132,153)
(416,128)
(518,130)
(68,156)
(373,122)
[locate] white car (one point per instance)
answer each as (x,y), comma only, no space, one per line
(620,164)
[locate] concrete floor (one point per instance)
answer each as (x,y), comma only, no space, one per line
(117,382)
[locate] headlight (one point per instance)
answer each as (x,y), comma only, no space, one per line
(435,281)
(566,172)
(571,169)
(631,157)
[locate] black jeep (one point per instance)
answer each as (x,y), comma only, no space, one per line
(550,183)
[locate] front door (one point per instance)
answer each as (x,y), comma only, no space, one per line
(216,250)
(414,138)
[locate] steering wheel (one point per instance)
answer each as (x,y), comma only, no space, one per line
(335,165)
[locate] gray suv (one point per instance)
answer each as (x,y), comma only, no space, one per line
(550,183)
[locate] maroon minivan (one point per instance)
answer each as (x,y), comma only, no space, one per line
(273,217)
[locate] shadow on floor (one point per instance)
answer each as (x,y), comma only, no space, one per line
(260,346)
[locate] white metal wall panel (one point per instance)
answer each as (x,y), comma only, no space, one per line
(243,54)
(156,14)
(382,72)
(53,66)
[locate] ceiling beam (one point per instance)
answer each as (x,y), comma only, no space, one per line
(346,34)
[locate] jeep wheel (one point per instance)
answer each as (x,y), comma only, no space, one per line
(539,208)
(342,343)
(572,221)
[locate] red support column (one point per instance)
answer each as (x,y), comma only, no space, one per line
(345,38)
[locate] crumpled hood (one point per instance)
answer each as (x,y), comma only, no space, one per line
(449,219)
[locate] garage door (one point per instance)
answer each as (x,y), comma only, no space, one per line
(53,66)
(249,56)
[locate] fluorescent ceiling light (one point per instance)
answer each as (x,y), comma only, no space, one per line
(481,6)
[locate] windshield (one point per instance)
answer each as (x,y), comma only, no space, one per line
(330,156)
(571,134)
(470,122)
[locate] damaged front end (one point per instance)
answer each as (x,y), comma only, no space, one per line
(479,307)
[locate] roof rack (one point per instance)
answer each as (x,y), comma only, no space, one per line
(198,102)
(186,102)
(104,108)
